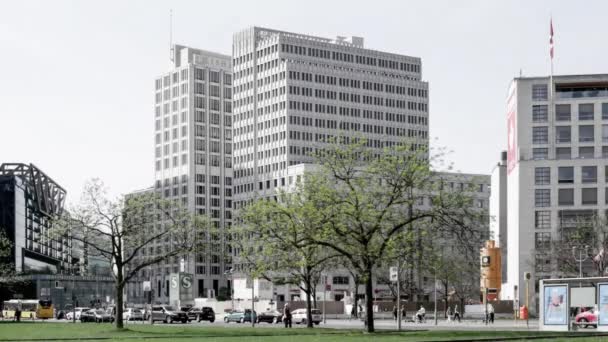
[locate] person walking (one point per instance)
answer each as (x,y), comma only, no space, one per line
(491,312)
(403,313)
(456,313)
(287,315)
(395,312)
(448,314)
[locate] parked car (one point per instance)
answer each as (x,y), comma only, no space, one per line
(201,314)
(168,314)
(299,316)
(270,316)
(77,312)
(588,316)
(239,316)
(96,315)
(131,314)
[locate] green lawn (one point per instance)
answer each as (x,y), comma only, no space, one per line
(105,332)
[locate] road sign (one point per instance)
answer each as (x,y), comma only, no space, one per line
(393,274)
(147,286)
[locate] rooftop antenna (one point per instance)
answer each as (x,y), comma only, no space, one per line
(171,49)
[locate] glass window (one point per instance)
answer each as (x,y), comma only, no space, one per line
(565,197)
(562,112)
(542,197)
(542,153)
(585,133)
(605,133)
(604,151)
(539,92)
(589,195)
(214,76)
(562,134)
(539,113)
(586,152)
(542,219)
(563,153)
(542,176)
(606,173)
(565,175)
(542,240)
(606,195)
(540,135)
(589,174)
(585,111)
(604,111)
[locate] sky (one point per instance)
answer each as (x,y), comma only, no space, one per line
(77,77)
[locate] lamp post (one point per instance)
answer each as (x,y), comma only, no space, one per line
(582,256)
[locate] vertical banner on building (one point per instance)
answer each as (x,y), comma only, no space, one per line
(512,127)
(556,305)
(602,304)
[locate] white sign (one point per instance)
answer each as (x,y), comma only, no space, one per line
(174,281)
(147,286)
(393,274)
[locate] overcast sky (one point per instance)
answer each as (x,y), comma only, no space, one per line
(76,77)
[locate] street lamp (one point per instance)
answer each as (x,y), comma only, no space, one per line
(228,273)
(582,256)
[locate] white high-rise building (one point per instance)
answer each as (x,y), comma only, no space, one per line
(293,92)
(193,158)
(556,172)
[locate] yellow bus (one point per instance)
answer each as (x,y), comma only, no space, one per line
(30,308)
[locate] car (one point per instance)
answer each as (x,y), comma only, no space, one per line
(131,314)
(588,316)
(239,316)
(298,316)
(201,314)
(168,314)
(76,312)
(270,316)
(96,315)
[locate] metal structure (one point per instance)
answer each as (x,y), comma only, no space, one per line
(48,196)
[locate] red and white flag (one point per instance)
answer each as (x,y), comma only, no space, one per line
(551,38)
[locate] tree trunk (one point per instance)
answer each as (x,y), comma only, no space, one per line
(445,309)
(369,300)
(356,299)
(308,308)
(119,305)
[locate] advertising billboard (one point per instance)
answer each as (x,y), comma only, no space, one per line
(512,128)
(602,303)
(556,305)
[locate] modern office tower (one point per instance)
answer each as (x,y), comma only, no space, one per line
(29,203)
(498,206)
(293,92)
(193,159)
(556,174)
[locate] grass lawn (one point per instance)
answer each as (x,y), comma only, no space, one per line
(106,332)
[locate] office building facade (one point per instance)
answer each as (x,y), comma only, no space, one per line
(193,160)
(556,174)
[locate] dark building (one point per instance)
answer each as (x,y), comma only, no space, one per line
(29,202)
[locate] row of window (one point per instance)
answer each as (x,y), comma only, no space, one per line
(565,175)
(563,134)
(565,197)
(563,112)
(584,152)
(200,178)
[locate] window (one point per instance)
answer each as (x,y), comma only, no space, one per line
(542,176)
(565,175)
(563,153)
(605,133)
(604,111)
(586,152)
(562,112)
(214,76)
(585,111)
(540,135)
(539,113)
(562,134)
(542,197)
(542,219)
(589,195)
(539,92)
(585,133)
(340,280)
(589,174)
(542,240)
(606,195)
(540,153)
(565,197)
(604,151)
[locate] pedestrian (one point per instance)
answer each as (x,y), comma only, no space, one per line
(456,313)
(18,312)
(353,312)
(491,311)
(403,313)
(395,312)
(420,315)
(448,314)
(287,315)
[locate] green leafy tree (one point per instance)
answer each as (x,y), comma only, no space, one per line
(273,240)
(374,196)
(121,231)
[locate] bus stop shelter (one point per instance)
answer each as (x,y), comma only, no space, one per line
(561,299)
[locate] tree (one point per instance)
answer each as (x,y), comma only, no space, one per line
(6,266)
(121,231)
(374,196)
(273,240)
